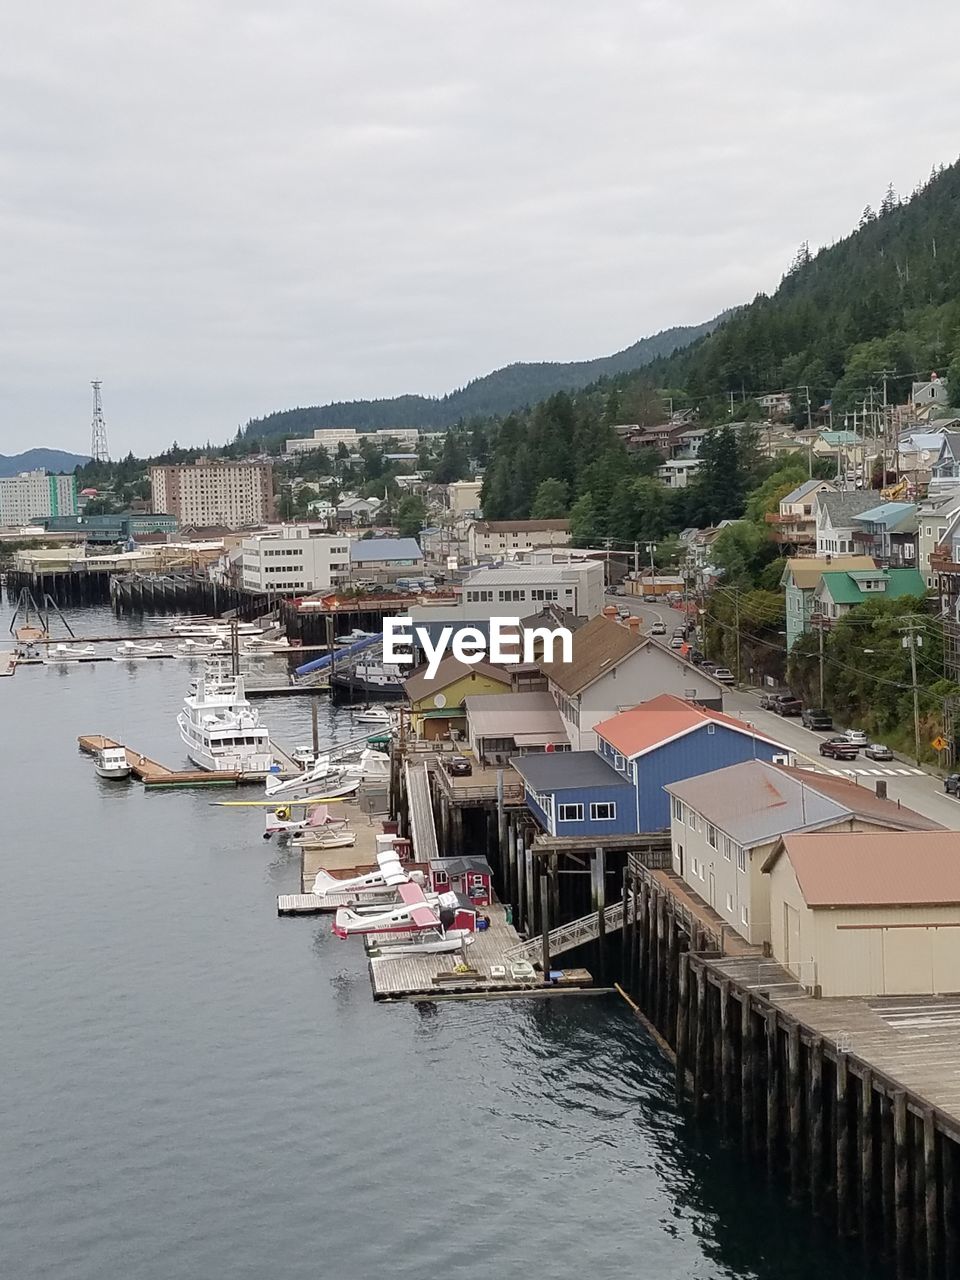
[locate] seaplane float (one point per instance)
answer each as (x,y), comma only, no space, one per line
(131,650)
(260,644)
(311,817)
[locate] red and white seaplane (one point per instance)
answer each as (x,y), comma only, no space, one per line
(414,926)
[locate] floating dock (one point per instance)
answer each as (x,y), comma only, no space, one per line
(156,776)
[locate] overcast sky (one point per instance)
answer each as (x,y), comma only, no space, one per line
(225,207)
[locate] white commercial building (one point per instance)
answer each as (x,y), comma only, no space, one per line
(34,493)
(500,537)
(217,492)
(330,438)
(294,559)
(527,586)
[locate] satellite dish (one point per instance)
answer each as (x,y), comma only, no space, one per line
(439,700)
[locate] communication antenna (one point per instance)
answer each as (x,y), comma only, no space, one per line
(98,434)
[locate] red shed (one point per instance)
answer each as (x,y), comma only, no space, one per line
(472,878)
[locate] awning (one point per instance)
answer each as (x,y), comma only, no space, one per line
(538,739)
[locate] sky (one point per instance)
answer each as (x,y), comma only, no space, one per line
(226,207)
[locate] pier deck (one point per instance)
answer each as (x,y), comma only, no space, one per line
(155,775)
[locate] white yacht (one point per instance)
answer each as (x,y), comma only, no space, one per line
(111,762)
(221,730)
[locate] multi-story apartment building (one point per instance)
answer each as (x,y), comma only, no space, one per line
(34,493)
(498,537)
(214,492)
(330,438)
(294,559)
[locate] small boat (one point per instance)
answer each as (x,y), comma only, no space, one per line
(341,642)
(111,762)
(373,715)
(130,649)
(429,942)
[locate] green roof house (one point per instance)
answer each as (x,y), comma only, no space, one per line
(839,592)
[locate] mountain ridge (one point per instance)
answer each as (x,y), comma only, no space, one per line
(56,460)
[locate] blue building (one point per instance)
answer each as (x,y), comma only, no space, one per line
(666,740)
(575,793)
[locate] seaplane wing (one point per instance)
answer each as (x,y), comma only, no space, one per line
(424,918)
(412,895)
(275,803)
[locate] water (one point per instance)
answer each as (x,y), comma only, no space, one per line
(193,1088)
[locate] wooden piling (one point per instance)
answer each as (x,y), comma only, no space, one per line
(951,1241)
(887,1177)
(747,1074)
(773,1088)
(931,1213)
(815,1120)
(700,1057)
(728,1065)
(683,995)
(795,1109)
(841,1137)
(901,1182)
(865,1144)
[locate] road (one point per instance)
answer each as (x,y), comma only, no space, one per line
(913,787)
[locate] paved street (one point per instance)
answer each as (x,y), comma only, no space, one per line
(911,786)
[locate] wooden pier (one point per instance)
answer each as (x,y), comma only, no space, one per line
(157,776)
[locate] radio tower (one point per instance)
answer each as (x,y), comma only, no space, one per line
(98,435)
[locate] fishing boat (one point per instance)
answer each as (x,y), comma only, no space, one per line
(221,730)
(378,715)
(69,652)
(130,649)
(111,763)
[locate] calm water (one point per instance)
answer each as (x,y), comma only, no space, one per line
(194,1088)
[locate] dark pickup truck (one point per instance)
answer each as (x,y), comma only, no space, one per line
(839,749)
(817,719)
(787,705)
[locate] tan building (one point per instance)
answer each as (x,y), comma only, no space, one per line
(498,537)
(725,825)
(868,914)
(206,492)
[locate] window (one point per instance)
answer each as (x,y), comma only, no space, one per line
(693,820)
(744,915)
(741,859)
(711,727)
(570,813)
(729,901)
(618,762)
(604,811)
(712,836)
(479,597)
(508,597)
(678,809)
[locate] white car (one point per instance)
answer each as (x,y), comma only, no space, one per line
(658,629)
(724,675)
(623,611)
(857,737)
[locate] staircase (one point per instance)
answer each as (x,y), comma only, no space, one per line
(423,830)
(567,936)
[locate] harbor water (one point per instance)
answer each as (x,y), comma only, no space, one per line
(192,1088)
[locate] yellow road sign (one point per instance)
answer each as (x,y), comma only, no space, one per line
(940,744)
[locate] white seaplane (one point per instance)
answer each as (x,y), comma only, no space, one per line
(69,652)
(131,650)
(389,874)
(331,778)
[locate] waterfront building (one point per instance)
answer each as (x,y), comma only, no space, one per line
(294,559)
(385,559)
(577,793)
(33,494)
(437,705)
(212,492)
(867,913)
(495,538)
(500,726)
(109,529)
(613,668)
(725,824)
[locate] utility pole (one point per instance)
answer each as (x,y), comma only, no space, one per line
(820,647)
(736,608)
(98,433)
(636,560)
(913,641)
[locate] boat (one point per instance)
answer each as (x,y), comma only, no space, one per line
(131,649)
(69,652)
(368,680)
(211,628)
(331,778)
(411,915)
(428,942)
(111,762)
(221,730)
(372,715)
(352,637)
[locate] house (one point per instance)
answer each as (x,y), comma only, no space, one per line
(500,726)
(436,706)
(471,878)
(917,455)
(358,510)
(385,559)
(577,794)
(845,446)
(667,739)
(462,497)
(800,579)
(928,398)
(495,538)
(839,592)
(614,667)
(777,404)
(945,471)
(867,913)
(677,473)
(935,515)
(888,532)
(724,825)
(834,520)
(795,523)
(688,442)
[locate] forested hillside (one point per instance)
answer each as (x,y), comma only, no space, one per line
(493,395)
(40,459)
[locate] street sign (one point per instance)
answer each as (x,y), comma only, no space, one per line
(939,744)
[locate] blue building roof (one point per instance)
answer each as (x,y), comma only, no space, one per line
(366,549)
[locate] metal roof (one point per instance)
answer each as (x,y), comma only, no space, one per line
(808,486)
(504,715)
(519,574)
(756,802)
(844,588)
(663,719)
(598,646)
(364,549)
(806,571)
(876,869)
(561,770)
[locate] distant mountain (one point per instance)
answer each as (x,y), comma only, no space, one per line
(37,459)
(513,387)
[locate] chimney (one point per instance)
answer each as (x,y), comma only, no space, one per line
(610,611)
(881,789)
(633,622)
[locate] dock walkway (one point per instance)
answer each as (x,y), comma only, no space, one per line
(155,775)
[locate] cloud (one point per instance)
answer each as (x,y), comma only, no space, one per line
(225,208)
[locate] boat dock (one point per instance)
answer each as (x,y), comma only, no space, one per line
(8,664)
(156,776)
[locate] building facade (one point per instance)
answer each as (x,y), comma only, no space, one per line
(218,492)
(33,494)
(294,560)
(495,538)
(800,580)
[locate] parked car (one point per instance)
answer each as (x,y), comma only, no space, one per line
(768,701)
(951,784)
(648,599)
(785,704)
(839,749)
(623,611)
(459,767)
(696,657)
(708,666)
(658,629)
(856,736)
(676,642)
(817,718)
(877,751)
(724,675)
